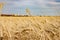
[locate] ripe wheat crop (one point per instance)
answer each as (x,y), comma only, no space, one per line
(29,28)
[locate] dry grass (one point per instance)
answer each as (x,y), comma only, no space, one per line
(29,28)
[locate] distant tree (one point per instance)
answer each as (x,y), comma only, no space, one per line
(28,12)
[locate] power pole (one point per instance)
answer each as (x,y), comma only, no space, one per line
(28,12)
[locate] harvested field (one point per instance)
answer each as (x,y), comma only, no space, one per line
(29,28)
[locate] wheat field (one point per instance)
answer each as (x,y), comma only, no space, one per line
(30,28)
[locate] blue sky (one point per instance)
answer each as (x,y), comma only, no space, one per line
(37,7)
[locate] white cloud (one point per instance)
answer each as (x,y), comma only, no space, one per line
(40,3)
(52,3)
(25,3)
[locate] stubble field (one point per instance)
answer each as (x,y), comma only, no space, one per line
(30,28)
